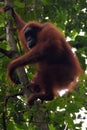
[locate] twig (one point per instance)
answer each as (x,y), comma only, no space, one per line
(7,53)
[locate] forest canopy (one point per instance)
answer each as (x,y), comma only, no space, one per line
(64,113)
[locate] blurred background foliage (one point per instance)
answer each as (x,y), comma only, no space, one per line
(70,16)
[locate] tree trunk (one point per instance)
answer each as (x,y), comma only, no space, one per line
(41,124)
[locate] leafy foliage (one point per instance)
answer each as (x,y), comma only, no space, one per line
(71,18)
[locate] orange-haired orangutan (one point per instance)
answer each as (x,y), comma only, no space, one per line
(57,66)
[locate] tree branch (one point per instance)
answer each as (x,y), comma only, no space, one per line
(7,53)
(21,73)
(13,48)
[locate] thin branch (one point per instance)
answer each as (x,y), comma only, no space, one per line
(7,53)
(12,96)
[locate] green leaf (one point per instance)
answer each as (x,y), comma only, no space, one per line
(19,4)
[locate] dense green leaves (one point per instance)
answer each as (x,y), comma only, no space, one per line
(71,17)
